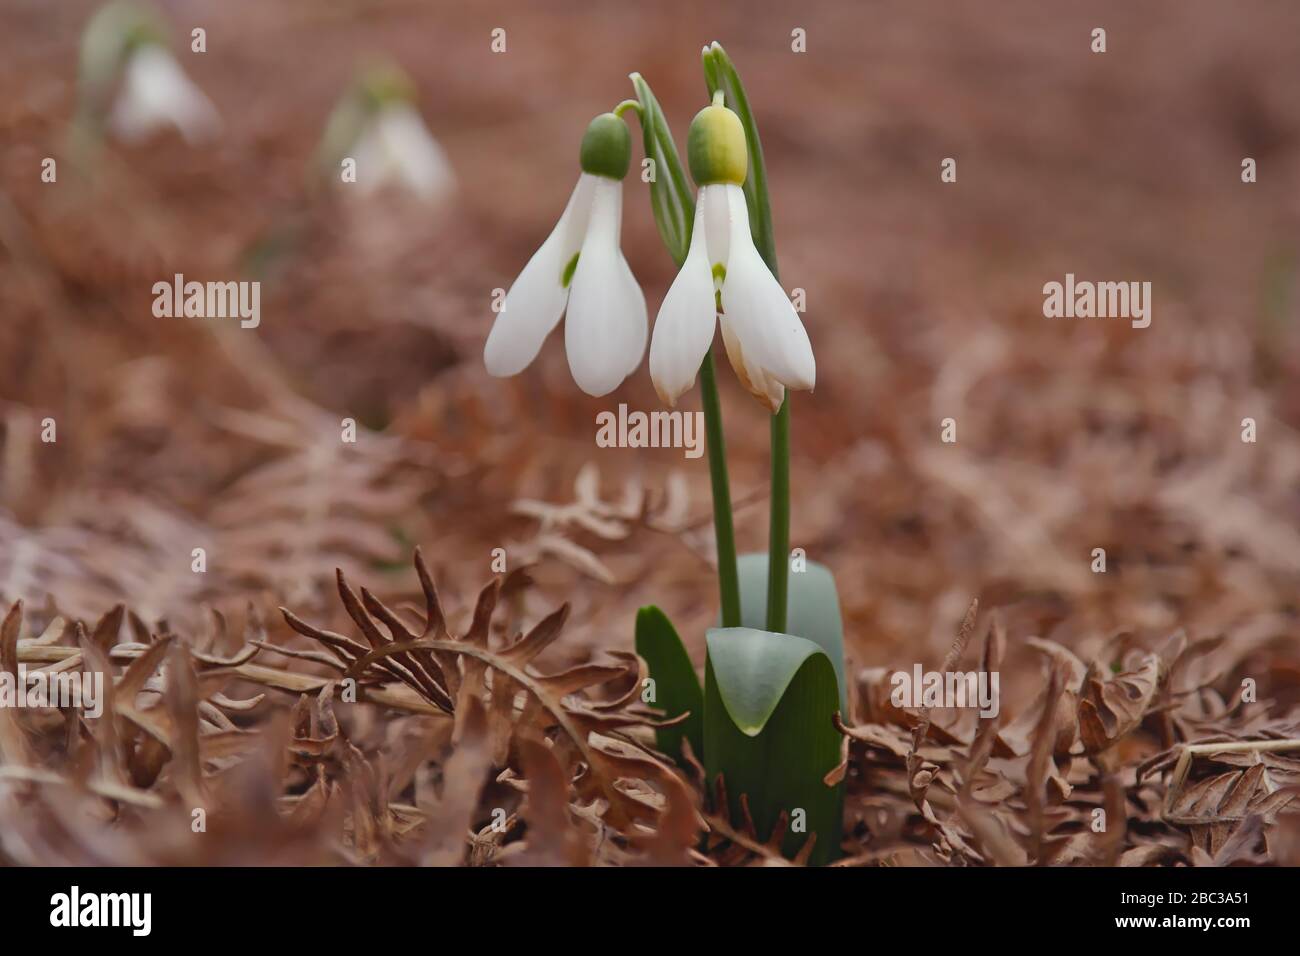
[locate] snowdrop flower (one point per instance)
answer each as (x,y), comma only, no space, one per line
(580,266)
(398,148)
(725,278)
(156,94)
(130,79)
(378,126)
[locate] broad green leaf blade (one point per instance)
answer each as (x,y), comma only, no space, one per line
(813,611)
(677,688)
(769,701)
(670,196)
(753,675)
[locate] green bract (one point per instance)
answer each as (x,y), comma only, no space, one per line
(769,733)
(606,147)
(720,75)
(670,198)
(715,147)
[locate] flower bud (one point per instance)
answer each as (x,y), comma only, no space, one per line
(715,147)
(606,147)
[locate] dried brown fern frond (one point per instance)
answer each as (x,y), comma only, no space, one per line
(102,546)
(590,734)
(300,784)
(321,503)
(604,519)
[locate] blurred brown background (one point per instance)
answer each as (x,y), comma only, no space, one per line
(924,302)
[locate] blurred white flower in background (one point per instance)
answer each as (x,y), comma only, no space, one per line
(133,86)
(156,95)
(397,148)
(378,125)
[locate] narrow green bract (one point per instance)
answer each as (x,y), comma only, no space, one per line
(670,196)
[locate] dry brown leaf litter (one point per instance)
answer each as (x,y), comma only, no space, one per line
(461,749)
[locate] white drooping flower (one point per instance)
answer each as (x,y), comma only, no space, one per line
(132,85)
(396,148)
(377,126)
(580,267)
(156,95)
(725,281)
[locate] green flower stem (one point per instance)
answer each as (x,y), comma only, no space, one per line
(778,555)
(778,530)
(626,105)
(723,531)
(720,76)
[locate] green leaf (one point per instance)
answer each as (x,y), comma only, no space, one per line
(670,196)
(769,700)
(753,675)
(813,613)
(677,688)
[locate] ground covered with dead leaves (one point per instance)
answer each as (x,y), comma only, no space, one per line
(1148,714)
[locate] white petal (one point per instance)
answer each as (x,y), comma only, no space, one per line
(157,94)
(684,326)
(397,147)
(717,222)
(374,165)
(536,300)
(638,319)
(760,313)
(605,332)
(765,388)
